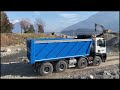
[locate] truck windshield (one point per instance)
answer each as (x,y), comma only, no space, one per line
(101,42)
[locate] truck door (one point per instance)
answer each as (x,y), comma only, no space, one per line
(100,45)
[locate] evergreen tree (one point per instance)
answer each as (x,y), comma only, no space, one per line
(5,26)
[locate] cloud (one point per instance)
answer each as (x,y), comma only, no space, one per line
(14,21)
(43,12)
(36,12)
(69,19)
(69,16)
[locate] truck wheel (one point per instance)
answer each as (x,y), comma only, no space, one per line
(60,66)
(82,63)
(45,69)
(97,61)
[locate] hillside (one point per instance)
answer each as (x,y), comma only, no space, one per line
(110,20)
(8,39)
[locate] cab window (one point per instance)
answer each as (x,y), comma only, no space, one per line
(101,42)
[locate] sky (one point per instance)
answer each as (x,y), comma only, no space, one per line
(55,21)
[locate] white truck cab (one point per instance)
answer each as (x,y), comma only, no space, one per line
(99,48)
(100,45)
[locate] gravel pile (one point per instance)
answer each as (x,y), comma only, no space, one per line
(108,72)
(112,73)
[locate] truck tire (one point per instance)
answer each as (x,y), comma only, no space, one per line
(97,61)
(45,69)
(82,63)
(60,66)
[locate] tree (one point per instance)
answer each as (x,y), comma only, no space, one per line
(40,29)
(5,25)
(24,25)
(30,29)
(40,24)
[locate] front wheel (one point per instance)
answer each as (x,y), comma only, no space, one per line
(97,61)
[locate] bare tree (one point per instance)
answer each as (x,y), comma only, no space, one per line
(40,25)
(25,25)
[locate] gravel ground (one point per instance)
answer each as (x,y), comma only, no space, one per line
(26,71)
(16,69)
(14,57)
(11,50)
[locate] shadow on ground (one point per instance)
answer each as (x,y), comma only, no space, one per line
(17,69)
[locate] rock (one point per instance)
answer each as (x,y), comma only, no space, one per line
(24,43)
(114,72)
(81,77)
(107,72)
(91,77)
(8,50)
(25,49)
(18,49)
(116,76)
(24,59)
(107,75)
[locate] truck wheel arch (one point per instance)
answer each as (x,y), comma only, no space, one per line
(98,54)
(85,58)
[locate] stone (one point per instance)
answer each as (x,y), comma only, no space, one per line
(116,76)
(91,77)
(18,49)
(8,50)
(107,75)
(81,77)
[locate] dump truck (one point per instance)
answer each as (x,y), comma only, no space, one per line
(57,54)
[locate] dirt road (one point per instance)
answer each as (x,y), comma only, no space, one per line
(16,69)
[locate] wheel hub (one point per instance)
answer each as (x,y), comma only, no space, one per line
(46,69)
(61,66)
(83,63)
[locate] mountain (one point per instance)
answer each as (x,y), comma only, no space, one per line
(17,28)
(110,20)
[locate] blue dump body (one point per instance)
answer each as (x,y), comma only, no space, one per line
(57,49)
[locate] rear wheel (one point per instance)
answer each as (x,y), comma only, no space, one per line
(60,66)
(82,63)
(97,61)
(45,69)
